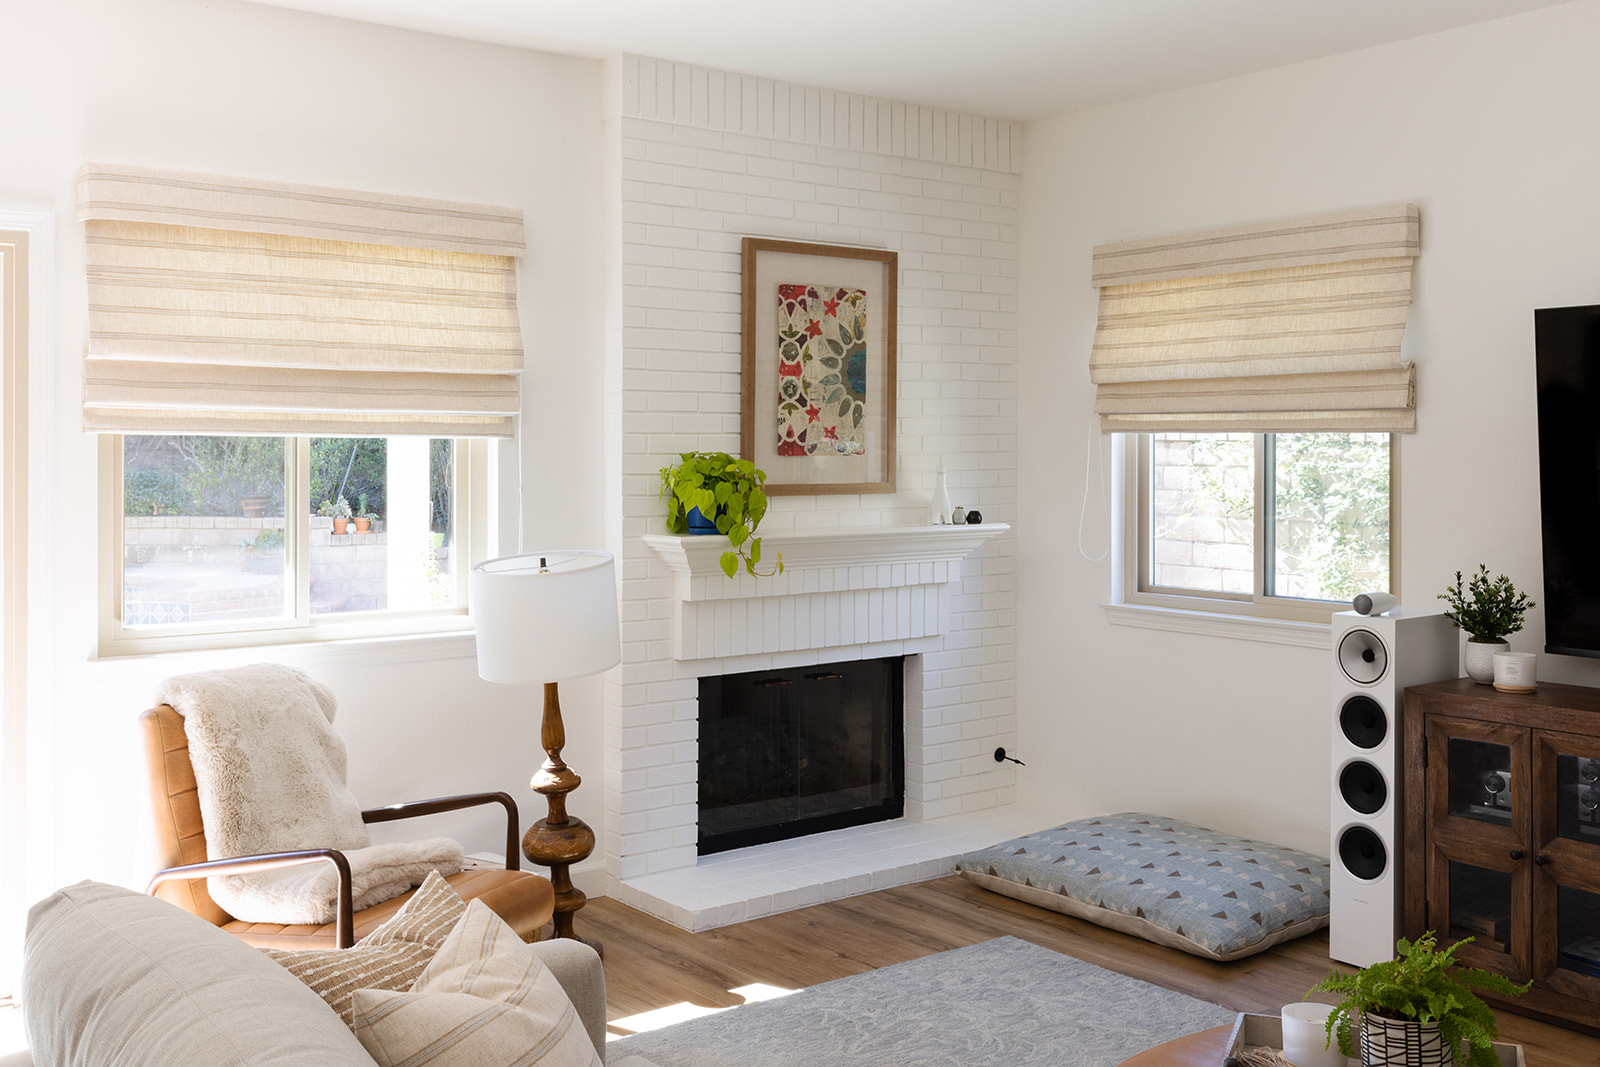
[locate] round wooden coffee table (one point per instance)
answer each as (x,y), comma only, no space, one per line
(1204,1049)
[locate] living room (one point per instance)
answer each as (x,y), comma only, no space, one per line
(1113,706)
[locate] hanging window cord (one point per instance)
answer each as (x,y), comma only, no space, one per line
(1096,441)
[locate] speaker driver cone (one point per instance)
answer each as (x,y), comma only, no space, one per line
(1362,657)
(1363,788)
(1362,853)
(1363,722)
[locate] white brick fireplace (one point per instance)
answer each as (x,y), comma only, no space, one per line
(700,159)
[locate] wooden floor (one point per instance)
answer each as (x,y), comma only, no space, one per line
(651,964)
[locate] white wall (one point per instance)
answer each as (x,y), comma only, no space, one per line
(233,88)
(707,158)
(1489,129)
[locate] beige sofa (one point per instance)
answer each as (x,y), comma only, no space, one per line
(115,977)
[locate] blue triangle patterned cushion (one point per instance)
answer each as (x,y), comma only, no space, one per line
(1213,894)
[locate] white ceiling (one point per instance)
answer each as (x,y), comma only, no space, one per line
(1017,59)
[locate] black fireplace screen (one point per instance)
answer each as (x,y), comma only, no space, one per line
(794,752)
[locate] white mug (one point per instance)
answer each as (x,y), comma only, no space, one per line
(1305,1036)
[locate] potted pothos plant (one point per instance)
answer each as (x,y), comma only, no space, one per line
(715,490)
(1417,1008)
(1489,610)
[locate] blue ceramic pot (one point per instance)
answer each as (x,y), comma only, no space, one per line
(699,524)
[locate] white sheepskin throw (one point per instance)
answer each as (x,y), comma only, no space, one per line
(271,776)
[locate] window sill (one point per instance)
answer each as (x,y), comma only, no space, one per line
(340,652)
(1215,624)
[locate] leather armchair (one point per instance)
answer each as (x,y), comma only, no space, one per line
(525,901)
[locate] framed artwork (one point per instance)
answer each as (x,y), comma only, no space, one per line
(818,388)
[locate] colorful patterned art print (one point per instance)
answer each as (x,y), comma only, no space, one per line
(822,371)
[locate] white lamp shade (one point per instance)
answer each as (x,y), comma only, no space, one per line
(545,616)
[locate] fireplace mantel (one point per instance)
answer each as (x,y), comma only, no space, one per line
(839,587)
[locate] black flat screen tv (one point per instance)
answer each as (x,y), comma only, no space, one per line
(1567,343)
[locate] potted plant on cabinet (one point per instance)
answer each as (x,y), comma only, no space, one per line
(1417,1009)
(711,492)
(1489,610)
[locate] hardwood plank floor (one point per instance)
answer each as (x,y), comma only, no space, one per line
(651,964)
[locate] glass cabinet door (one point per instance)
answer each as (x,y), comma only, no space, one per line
(1482,893)
(1567,860)
(1477,780)
(1479,815)
(1577,797)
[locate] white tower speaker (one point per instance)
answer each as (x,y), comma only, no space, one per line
(1375,657)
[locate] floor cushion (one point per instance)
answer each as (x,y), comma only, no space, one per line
(1212,894)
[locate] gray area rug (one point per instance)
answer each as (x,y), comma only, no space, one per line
(1001,1002)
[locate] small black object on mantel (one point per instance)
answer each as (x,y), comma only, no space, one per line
(974,517)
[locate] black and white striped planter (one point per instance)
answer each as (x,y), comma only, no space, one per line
(1402,1043)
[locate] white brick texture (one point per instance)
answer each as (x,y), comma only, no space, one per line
(700,159)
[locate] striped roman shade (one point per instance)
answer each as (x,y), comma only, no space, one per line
(218,305)
(1279,327)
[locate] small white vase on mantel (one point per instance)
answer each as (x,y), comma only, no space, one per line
(1479,659)
(939,506)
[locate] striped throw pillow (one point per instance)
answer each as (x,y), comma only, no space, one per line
(391,957)
(486,998)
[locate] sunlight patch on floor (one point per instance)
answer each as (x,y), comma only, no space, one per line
(683,1011)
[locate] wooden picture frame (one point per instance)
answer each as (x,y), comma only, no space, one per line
(842,439)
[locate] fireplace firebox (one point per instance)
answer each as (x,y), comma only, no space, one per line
(793,752)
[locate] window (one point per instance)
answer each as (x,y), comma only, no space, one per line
(1282,525)
(242,540)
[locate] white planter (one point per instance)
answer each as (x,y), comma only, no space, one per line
(1402,1043)
(1305,1036)
(1479,659)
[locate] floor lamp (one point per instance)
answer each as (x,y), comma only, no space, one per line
(549,617)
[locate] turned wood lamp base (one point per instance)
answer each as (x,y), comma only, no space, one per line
(559,840)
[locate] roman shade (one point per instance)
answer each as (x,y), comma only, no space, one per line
(220,305)
(1278,327)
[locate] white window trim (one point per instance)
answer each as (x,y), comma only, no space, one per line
(15,283)
(1274,620)
(1213,624)
(29,723)
(474,493)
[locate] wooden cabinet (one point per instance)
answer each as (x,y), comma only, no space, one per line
(1502,833)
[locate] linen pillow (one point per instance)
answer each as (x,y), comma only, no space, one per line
(391,957)
(486,998)
(116,977)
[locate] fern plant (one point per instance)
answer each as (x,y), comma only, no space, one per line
(1422,985)
(1488,609)
(727,491)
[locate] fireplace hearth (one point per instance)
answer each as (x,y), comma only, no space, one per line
(787,753)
